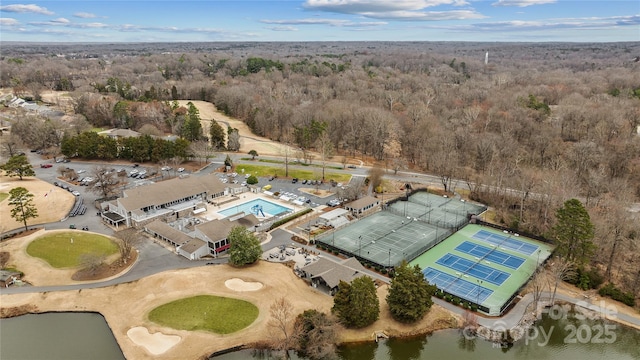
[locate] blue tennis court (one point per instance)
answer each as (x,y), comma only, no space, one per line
(475,269)
(490,254)
(505,241)
(456,286)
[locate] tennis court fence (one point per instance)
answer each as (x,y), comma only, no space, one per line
(453,224)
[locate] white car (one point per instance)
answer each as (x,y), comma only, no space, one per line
(75,192)
(165,168)
(180,169)
(81,171)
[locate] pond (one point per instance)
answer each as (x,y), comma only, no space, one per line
(565,338)
(53,336)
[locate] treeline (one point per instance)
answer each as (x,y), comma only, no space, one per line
(90,145)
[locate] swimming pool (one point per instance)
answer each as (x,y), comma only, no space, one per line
(252,207)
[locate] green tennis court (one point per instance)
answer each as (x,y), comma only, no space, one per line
(403,231)
(483,265)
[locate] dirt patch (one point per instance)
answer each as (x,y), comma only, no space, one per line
(248,140)
(319,193)
(105,270)
(52,202)
(17,311)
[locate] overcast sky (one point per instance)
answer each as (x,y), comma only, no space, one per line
(320,20)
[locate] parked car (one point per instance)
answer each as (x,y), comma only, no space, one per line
(75,192)
(294,180)
(45,166)
(180,169)
(351,166)
(334,202)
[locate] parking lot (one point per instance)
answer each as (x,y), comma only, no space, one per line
(288,188)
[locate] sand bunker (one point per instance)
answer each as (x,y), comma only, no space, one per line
(156,344)
(236,284)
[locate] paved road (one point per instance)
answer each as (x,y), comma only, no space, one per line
(153,258)
(513,317)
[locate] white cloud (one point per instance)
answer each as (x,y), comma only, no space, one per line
(66,23)
(522,3)
(592,23)
(376,6)
(407,10)
(61,21)
(85,15)
(330,22)
(26,8)
(282,28)
(427,15)
(8,22)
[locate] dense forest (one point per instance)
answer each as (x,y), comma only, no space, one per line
(522,127)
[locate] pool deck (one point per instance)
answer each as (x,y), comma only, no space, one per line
(229,201)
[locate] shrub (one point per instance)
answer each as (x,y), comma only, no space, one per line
(289,218)
(611,291)
(587,279)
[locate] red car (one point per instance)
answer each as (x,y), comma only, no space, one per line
(46,166)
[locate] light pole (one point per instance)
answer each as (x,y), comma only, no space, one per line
(359,244)
(478,295)
(389,258)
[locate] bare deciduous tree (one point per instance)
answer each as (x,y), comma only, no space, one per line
(127,241)
(91,262)
(560,269)
(282,317)
(105,181)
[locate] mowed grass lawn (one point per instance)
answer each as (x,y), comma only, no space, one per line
(316,174)
(220,315)
(61,252)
